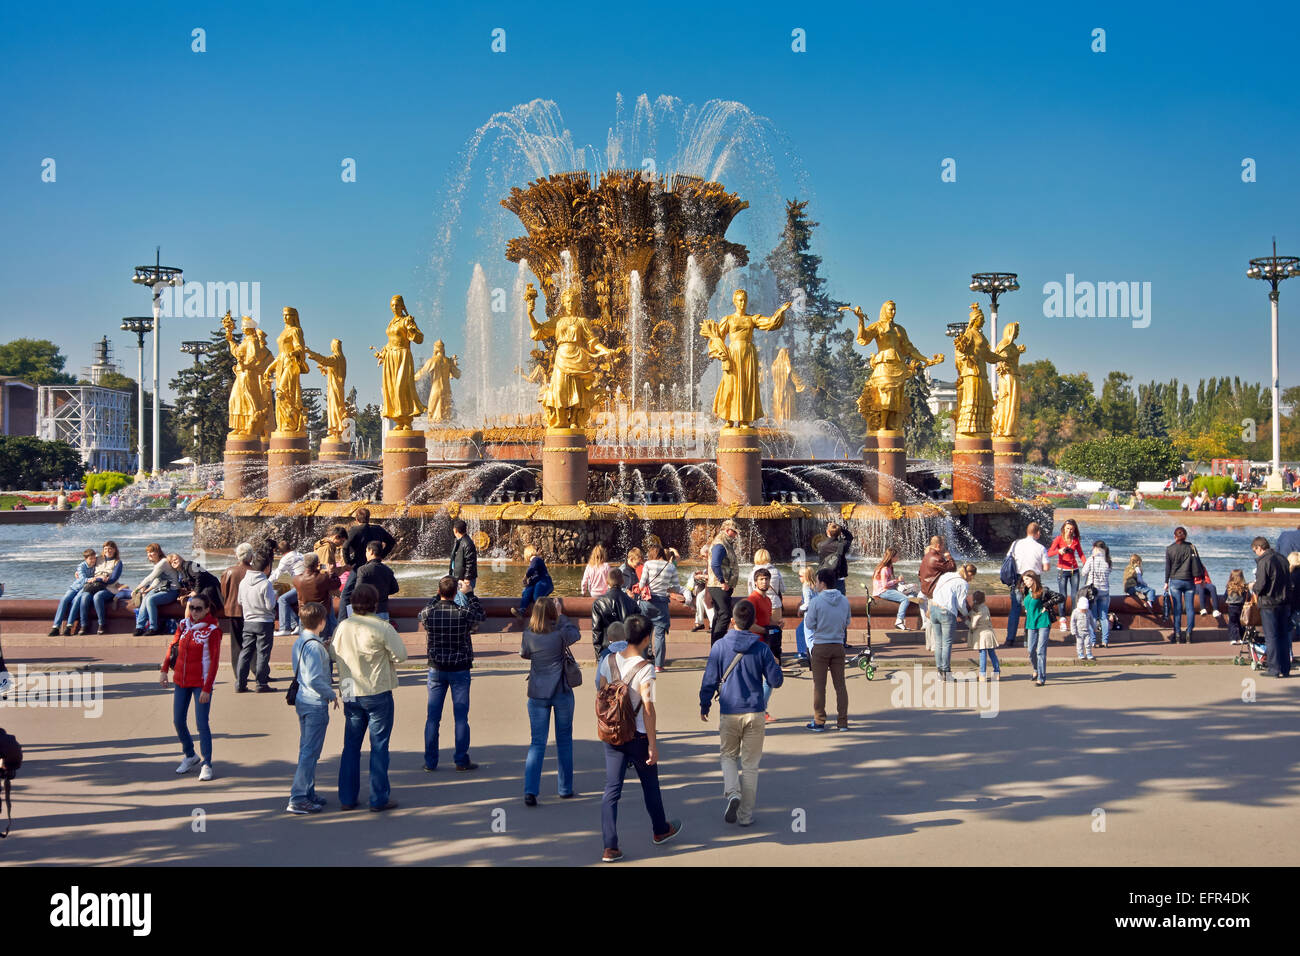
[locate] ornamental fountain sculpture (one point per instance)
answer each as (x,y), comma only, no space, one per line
(627,265)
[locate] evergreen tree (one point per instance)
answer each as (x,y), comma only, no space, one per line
(919,429)
(202,399)
(850,369)
(1151,413)
(316,424)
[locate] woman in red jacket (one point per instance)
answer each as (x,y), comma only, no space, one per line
(193,655)
(1069,559)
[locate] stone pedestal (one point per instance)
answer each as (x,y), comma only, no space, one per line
(972,468)
(740,467)
(1006,467)
(286,477)
(406,464)
(564,466)
(891,462)
(334,449)
(245,466)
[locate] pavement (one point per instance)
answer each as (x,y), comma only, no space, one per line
(1118,763)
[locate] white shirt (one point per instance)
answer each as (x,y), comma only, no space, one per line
(643,689)
(1030,555)
(290,564)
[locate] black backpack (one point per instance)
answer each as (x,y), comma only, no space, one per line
(11,751)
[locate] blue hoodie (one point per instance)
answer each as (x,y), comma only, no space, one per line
(827,619)
(743,691)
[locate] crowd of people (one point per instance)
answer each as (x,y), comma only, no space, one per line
(630,627)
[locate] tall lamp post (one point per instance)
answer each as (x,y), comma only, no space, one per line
(139,324)
(196,347)
(1273,270)
(156,277)
(994,284)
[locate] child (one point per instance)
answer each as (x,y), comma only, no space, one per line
(695,594)
(1135,586)
(1096,573)
(767,610)
(1209,596)
(64,622)
(311,667)
(537,583)
(982,636)
(1237,594)
(1081,628)
(806,586)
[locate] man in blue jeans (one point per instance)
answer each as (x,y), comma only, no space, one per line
(949,604)
(448,627)
(367,651)
(1029,555)
(1271,578)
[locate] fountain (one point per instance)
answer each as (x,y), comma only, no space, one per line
(629,261)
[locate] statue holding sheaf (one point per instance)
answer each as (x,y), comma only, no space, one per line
(884,403)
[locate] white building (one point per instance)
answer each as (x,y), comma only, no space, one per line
(943,395)
(94,420)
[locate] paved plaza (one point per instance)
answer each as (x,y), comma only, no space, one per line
(1147,764)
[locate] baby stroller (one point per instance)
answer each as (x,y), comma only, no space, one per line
(1253,649)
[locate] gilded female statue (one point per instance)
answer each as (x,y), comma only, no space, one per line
(738,401)
(569,398)
(441,370)
(263,363)
(1006,412)
(246,392)
(785,383)
(335,369)
(974,397)
(883,402)
(397,378)
(285,372)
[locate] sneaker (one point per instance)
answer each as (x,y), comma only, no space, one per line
(282,632)
(816,727)
(1064,627)
(658,669)
(674,828)
(307,807)
(733,805)
(206,772)
(530,799)
(54,631)
(319,801)
(1215,614)
(189,763)
(136,633)
(767,718)
(1090,657)
(1205,612)
(900,625)
(842,727)
(611,856)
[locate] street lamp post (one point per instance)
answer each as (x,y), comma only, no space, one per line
(139,324)
(155,277)
(1273,270)
(994,284)
(196,347)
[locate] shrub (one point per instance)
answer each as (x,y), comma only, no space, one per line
(1121,461)
(106,482)
(1214,485)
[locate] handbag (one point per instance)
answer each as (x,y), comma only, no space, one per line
(291,695)
(93,586)
(571,671)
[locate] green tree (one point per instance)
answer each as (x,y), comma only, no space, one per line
(1121,461)
(38,361)
(316,424)
(26,462)
(1151,412)
(202,397)
(920,429)
(370,431)
(1055,411)
(1117,409)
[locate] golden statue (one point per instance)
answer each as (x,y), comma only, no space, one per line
(974,397)
(246,392)
(284,373)
(335,369)
(1006,412)
(569,397)
(785,383)
(883,402)
(441,370)
(263,363)
(739,401)
(401,403)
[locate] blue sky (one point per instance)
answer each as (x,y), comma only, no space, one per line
(1115,166)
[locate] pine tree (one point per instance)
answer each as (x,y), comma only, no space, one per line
(919,426)
(202,398)
(316,424)
(1151,414)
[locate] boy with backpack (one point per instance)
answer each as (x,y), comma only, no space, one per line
(625,721)
(735,673)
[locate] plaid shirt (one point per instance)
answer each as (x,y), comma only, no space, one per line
(448,626)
